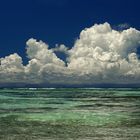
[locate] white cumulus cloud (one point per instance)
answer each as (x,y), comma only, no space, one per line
(100,55)
(61,48)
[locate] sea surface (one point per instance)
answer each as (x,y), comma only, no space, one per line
(70,114)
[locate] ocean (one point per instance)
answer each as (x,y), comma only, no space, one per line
(70,114)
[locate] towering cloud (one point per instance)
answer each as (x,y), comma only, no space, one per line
(106,54)
(100,55)
(11,69)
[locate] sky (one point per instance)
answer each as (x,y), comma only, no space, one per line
(77,34)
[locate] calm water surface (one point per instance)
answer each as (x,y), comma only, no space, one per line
(70,114)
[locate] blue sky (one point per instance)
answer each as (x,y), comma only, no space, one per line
(58,21)
(115,56)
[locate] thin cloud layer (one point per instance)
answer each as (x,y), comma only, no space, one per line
(101,55)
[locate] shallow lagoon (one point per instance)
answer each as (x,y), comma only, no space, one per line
(73,114)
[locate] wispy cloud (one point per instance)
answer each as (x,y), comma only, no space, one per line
(122,26)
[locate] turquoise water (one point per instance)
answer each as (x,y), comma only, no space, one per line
(75,114)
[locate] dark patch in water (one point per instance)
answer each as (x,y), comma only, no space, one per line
(13,129)
(28,110)
(102,105)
